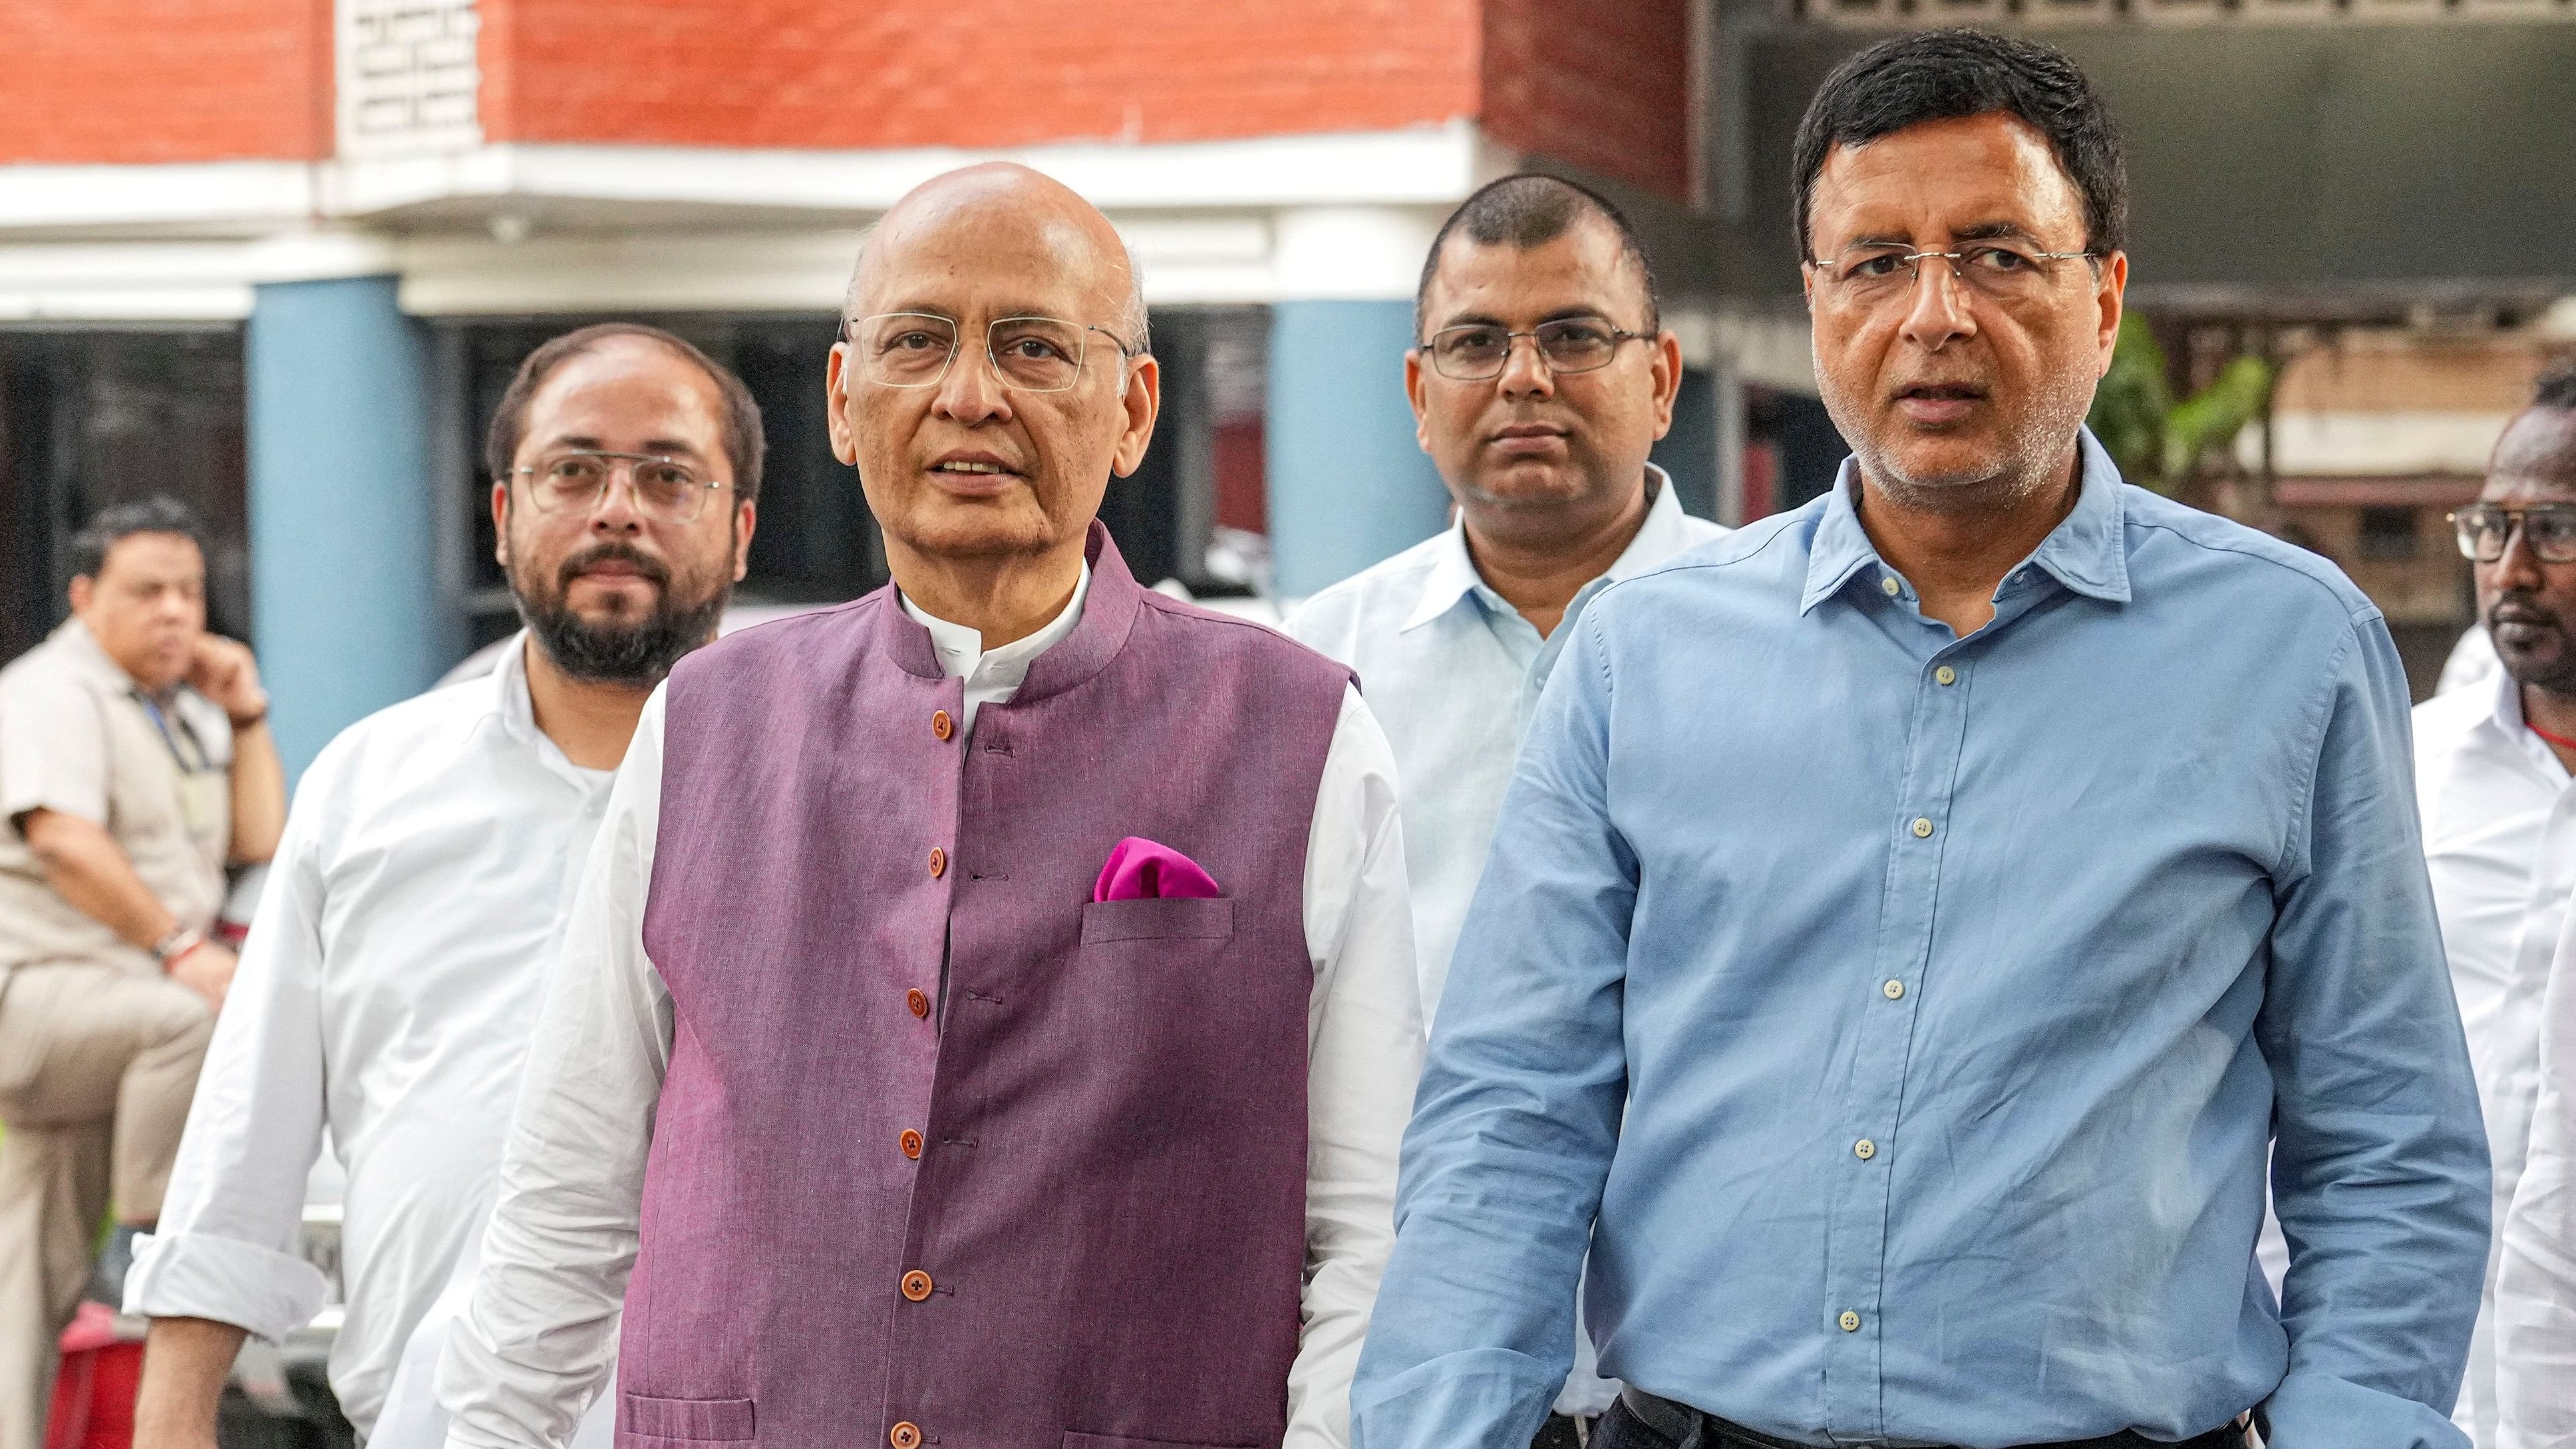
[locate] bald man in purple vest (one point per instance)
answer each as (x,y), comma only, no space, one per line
(988,1019)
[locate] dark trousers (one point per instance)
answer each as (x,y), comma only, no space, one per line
(1562,1432)
(1677,1426)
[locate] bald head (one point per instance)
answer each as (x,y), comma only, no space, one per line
(990,381)
(1022,207)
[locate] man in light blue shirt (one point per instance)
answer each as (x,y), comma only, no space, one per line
(1541,380)
(1913,918)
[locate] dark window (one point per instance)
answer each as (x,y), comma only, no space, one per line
(2388,535)
(1806,450)
(92,417)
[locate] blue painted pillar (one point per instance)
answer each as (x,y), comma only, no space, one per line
(1348,485)
(345,605)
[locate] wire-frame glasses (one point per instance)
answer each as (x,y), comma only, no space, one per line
(1479,351)
(1026,354)
(2548,530)
(2006,270)
(667,490)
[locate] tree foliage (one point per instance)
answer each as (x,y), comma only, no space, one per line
(2156,439)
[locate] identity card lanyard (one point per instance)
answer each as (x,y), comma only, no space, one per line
(203,791)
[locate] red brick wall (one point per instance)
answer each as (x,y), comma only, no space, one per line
(1600,84)
(138,81)
(969,72)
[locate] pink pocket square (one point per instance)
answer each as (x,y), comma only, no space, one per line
(1139,869)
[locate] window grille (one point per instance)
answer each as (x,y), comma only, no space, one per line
(407,77)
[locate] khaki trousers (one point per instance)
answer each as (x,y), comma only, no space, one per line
(97,1064)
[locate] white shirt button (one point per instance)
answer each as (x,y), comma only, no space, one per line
(1945,675)
(1894,990)
(1888,585)
(1850,1321)
(1864,1149)
(1922,828)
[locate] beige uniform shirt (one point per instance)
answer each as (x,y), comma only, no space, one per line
(77,736)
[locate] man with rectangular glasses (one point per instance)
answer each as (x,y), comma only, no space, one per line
(990,1015)
(1916,918)
(1543,380)
(390,986)
(2492,783)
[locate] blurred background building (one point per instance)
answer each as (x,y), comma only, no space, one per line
(280,256)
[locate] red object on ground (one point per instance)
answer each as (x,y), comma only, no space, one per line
(94,1394)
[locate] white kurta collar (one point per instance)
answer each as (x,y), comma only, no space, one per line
(992,677)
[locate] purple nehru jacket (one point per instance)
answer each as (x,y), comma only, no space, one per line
(947,1153)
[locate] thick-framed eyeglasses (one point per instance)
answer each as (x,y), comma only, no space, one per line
(1026,354)
(666,490)
(2003,270)
(1478,352)
(2548,530)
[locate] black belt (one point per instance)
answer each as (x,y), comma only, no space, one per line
(1690,1428)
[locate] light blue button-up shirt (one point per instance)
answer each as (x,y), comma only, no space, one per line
(1454,672)
(1952,991)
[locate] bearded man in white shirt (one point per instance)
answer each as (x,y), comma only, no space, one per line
(388,988)
(1541,380)
(988,1017)
(2492,781)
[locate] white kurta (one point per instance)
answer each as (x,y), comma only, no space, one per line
(535,1344)
(2499,816)
(2535,1273)
(387,991)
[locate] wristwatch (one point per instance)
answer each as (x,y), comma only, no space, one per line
(180,941)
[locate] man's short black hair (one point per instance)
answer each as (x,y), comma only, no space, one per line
(743,443)
(1945,75)
(112,526)
(1529,209)
(2557,387)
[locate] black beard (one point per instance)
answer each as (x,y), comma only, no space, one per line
(637,652)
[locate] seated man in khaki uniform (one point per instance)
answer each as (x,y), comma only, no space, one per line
(135,763)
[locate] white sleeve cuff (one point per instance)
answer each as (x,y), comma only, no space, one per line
(200,1275)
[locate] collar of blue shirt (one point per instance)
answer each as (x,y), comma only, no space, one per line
(2087,552)
(1453,573)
